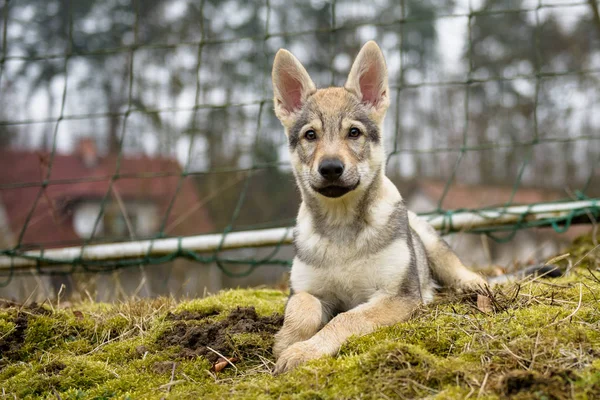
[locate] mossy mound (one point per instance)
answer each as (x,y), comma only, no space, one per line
(539,340)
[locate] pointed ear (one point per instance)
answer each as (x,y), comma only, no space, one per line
(368,77)
(291,85)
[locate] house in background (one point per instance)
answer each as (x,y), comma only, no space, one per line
(535,244)
(135,207)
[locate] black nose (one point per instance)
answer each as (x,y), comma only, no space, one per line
(331,169)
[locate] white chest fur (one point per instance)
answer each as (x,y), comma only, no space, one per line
(347,267)
(346,282)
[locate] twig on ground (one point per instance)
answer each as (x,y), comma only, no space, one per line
(223,357)
(574,311)
(172,377)
(170,384)
(109,341)
(482,387)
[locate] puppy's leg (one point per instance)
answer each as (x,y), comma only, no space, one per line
(380,311)
(304,316)
(445,264)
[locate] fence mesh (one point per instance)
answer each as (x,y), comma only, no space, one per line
(483,92)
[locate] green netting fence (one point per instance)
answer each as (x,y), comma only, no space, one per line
(527,59)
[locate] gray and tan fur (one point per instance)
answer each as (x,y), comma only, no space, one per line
(362,259)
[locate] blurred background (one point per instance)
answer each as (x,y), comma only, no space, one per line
(127,119)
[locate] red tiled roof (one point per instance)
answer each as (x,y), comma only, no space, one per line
(477,196)
(51,221)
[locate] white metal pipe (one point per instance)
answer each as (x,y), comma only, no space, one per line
(500,216)
(140,248)
(461,220)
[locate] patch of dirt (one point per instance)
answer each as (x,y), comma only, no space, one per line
(141,350)
(11,343)
(531,384)
(163,367)
(403,359)
(195,340)
(191,315)
(54,368)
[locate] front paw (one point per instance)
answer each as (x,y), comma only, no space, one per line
(296,354)
(283,340)
(479,285)
(473,284)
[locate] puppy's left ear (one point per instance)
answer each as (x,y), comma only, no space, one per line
(368,78)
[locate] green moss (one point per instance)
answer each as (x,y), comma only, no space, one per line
(116,324)
(445,352)
(59,375)
(77,347)
(6,327)
(266,302)
(12,370)
(541,341)
(41,333)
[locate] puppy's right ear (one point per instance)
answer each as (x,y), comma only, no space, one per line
(291,86)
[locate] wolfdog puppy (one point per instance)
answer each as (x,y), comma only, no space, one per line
(362,259)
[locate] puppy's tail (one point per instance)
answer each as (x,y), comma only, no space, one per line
(539,270)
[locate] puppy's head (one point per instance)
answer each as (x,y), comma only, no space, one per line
(334,134)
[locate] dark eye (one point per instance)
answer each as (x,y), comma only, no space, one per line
(354,133)
(310,135)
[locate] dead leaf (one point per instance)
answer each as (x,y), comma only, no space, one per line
(78,314)
(484,303)
(222,363)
